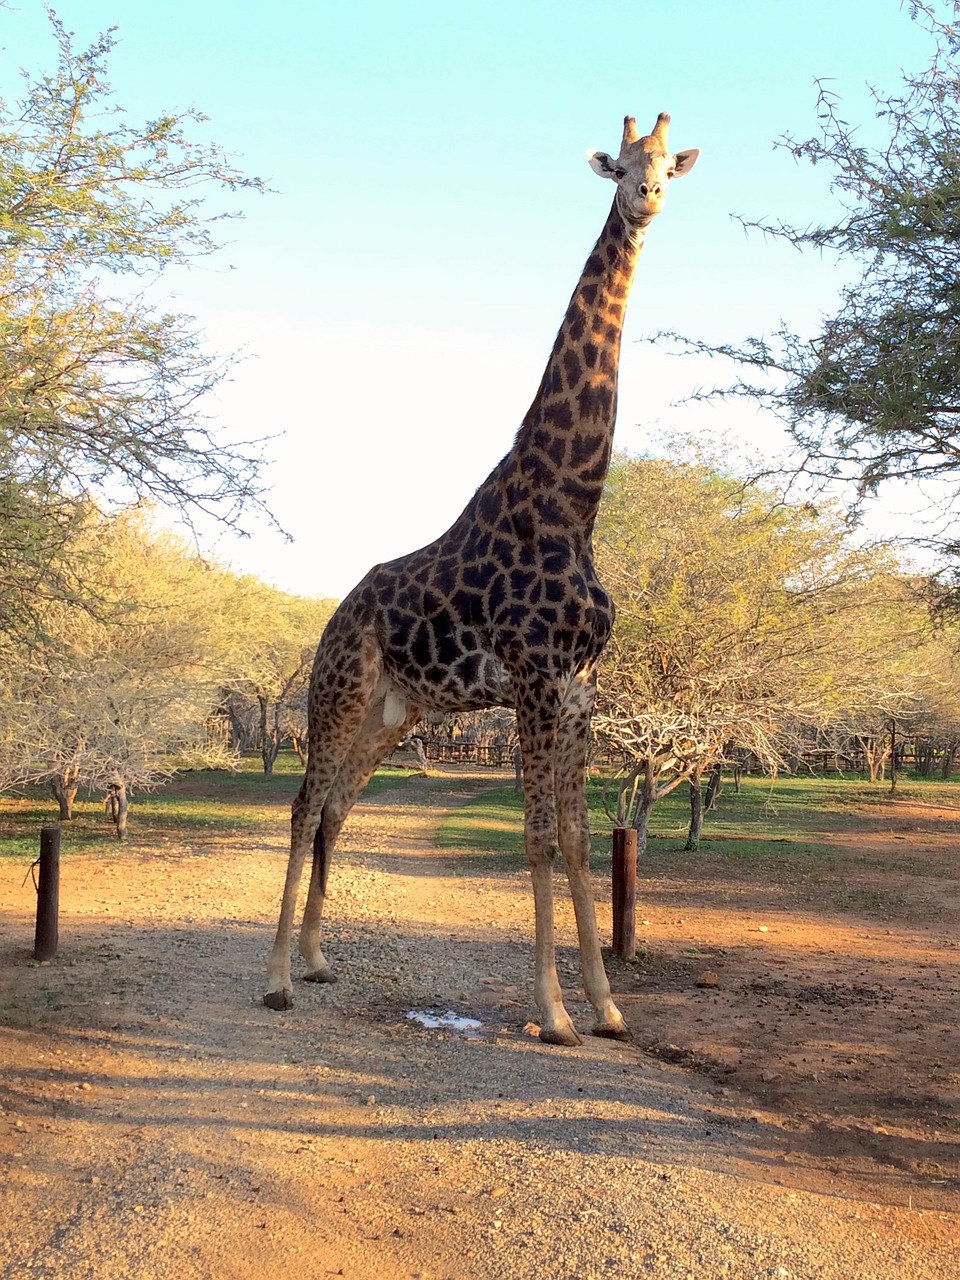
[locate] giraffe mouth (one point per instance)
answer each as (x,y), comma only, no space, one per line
(637,219)
(637,222)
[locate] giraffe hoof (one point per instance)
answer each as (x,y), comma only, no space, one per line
(320,975)
(611,1031)
(282,999)
(566,1037)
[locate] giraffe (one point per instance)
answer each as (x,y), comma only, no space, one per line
(504,609)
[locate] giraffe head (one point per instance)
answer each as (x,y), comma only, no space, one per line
(642,170)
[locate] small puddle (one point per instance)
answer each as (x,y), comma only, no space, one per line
(449,1021)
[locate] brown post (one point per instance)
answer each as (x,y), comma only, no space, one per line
(893,756)
(625,892)
(48,895)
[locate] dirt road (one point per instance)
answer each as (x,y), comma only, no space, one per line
(157,1121)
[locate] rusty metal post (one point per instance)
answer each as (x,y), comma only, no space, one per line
(625,892)
(48,895)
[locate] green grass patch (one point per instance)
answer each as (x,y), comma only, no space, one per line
(785,823)
(784,820)
(203,802)
(490,826)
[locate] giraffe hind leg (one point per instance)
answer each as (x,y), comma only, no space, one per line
(318,968)
(374,741)
(342,687)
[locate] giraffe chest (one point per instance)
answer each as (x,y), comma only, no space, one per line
(467,646)
(551,610)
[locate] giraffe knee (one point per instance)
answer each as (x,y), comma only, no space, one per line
(575,843)
(541,850)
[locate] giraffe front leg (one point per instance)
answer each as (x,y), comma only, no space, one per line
(609,1020)
(574,833)
(537,714)
(556,1025)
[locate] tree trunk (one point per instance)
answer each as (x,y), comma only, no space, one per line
(64,787)
(643,807)
(118,805)
(714,785)
(893,756)
(626,798)
(238,730)
(417,747)
(696,812)
(875,756)
(946,764)
(269,735)
(641,820)
(299,745)
(271,749)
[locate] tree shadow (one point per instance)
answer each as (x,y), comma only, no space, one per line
(162,1027)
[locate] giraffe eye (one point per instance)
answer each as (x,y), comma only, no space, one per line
(619,173)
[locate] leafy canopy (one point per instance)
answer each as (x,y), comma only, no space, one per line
(875,395)
(737,617)
(101,391)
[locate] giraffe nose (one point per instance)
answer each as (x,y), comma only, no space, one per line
(650,189)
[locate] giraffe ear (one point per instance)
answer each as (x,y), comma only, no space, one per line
(601,163)
(684,161)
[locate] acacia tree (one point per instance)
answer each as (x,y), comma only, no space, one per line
(877,675)
(875,395)
(895,672)
(936,720)
(114,699)
(97,385)
(269,640)
(724,596)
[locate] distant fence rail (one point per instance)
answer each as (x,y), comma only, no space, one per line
(497,756)
(500,756)
(463,751)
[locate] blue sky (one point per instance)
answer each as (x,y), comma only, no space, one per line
(398,292)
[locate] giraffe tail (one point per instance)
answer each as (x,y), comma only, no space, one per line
(321,857)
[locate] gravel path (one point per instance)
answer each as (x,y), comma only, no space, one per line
(157,1121)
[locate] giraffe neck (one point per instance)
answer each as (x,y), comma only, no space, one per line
(563,447)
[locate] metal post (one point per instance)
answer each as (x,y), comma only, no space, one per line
(625,892)
(48,895)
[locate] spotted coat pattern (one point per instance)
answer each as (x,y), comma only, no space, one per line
(504,609)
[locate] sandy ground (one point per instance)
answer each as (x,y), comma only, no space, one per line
(156,1120)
